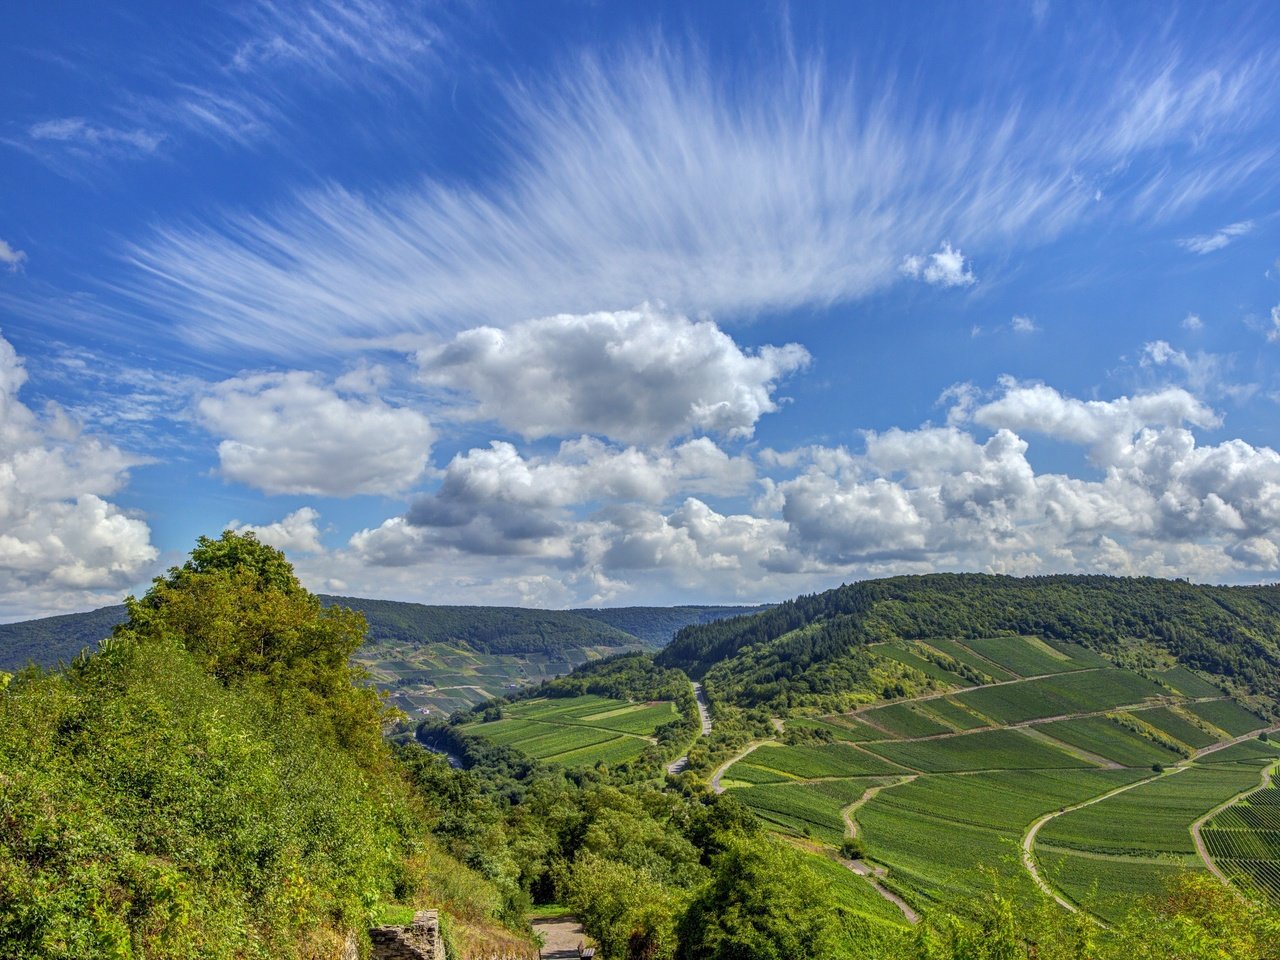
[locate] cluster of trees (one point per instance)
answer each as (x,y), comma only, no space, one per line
(214,783)
(808,649)
(657,625)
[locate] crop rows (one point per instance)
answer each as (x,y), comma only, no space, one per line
(1257,750)
(893,651)
(949,711)
(1228,715)
(1059,695)
(809,809)
(1108,886)
(1176,726)
(986,750)
(1108,739)
(1188,684)
(905,720)
(830,760)
(959,651)
(1155,817)
(1244,840)
(1030,656)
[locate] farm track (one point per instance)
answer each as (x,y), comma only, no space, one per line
(863,869)
(1029,838)
(720,770)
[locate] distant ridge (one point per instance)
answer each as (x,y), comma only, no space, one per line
(486,630)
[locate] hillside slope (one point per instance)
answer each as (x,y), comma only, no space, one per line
(815,647)
(657,626)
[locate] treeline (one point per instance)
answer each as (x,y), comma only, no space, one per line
(804,649)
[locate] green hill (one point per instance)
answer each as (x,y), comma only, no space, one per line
(815,649)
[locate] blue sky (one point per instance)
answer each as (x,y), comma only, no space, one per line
(568,303)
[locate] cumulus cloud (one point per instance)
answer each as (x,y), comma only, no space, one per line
(10,258)
(644,375)
(298,532)
(62,544)
(496,501)
(648,177)
(1021,324)
(294,433)
(1209,242)
(1192,322)
(946,267)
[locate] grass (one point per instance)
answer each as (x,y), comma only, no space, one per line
(986,750)
(1187,683)
(842,728)
(951,712)
(893,651)
(846,890)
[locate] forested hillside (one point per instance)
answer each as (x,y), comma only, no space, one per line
(656,626)
(817,646)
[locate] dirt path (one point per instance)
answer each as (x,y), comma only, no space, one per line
(850,826)
(1029,838)
(720,770)
(1203,851)
(863,869)
(561,937)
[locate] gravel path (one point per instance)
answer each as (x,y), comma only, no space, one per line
(561,937)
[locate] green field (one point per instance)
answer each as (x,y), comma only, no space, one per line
(1244,841)
(1108,739)
(935,832)
(1031,656)
(905,720)
(807,809)
(963,654)
(901,654)
(1060,695)
(577,731)
(984,750)
(810,762)
(1178,726)
(1228,716)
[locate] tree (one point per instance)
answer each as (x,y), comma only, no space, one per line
(238,608)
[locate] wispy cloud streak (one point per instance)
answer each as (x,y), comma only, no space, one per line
(647,179)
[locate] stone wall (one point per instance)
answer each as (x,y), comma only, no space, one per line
(418,941)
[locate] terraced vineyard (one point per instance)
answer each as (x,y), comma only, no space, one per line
(946,783)
(1244,838)
(578,731)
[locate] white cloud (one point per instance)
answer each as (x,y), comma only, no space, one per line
(1205,373)
(644,375)
(1192,322)
(62,544)
(647,178)
(1273,335)
(96,139)
(297,532)
(1021,324)
(10,257)
(945,268)
(1209,242)
(294,433)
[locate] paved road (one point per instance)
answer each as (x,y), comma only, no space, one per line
(704,719)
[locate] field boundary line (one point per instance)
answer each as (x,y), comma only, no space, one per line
(1029,840)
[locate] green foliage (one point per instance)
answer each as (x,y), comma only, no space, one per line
(655,626)
(209,784)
